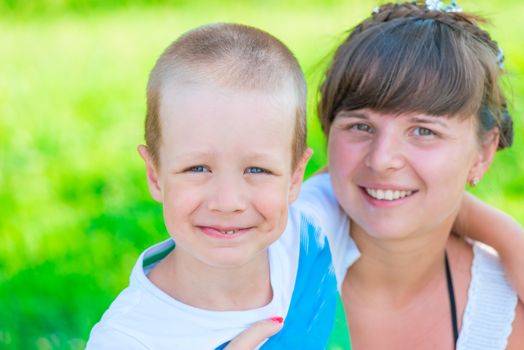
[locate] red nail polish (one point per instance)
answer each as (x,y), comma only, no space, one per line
(277,319)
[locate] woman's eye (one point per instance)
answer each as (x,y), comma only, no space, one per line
(420,131)
(199,169)
(255,170)
(362,127)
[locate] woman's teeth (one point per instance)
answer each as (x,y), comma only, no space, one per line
(388,195)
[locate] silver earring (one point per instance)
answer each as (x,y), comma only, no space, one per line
(474,181)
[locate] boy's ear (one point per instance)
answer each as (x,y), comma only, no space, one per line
(151,173)
(484,158)
(298,175)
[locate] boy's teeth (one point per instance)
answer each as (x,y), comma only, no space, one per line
(388,195)
(230,232)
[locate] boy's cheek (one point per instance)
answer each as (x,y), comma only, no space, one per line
(273,203)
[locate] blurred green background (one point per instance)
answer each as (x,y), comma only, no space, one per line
(74,209)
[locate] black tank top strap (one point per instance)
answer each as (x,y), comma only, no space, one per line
(452,303)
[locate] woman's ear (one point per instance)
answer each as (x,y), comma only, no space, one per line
(485,156)
(298,175)
(153,179)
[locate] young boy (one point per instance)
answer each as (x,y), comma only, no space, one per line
(225,155)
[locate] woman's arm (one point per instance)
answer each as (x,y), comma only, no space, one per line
(488,225)
(516,339)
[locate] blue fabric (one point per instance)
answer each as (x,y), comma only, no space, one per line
(221,347)
(311,315)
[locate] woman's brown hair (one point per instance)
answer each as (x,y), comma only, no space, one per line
(408,59)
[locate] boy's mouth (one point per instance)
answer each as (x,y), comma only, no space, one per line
(221,232)
(229,232)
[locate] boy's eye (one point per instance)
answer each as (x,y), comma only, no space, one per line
(362,127)
(421,131)
(255,170)
(198,169)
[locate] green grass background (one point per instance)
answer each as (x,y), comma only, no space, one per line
(74,209)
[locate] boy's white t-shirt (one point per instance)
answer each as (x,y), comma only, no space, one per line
(317,200)
(144,317)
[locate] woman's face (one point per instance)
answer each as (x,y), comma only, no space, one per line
(402,175)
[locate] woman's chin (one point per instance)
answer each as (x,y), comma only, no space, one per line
(385,231)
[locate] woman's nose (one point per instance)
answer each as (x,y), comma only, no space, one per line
(385,153)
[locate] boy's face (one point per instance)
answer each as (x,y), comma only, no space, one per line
(225,176)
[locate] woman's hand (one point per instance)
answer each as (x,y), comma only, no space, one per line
(252,337)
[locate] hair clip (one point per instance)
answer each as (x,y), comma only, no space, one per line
(453,7)
(434,5)
(437,5)
(500,58)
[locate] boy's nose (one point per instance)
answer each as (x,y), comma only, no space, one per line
(385,153)
(227,195)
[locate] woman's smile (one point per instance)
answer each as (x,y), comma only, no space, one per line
(387,197)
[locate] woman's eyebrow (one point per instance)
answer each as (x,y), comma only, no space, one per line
(353,114)
(429,120)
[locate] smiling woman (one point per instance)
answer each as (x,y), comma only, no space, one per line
(374,157)
(413,112)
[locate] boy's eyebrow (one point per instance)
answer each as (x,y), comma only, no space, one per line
(194,155)
(262,156)
(203,155)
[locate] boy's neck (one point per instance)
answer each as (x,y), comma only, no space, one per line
(195,283)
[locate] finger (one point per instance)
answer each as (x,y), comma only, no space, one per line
(256,334)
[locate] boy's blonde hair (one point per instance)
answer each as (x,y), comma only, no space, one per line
(230,55)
